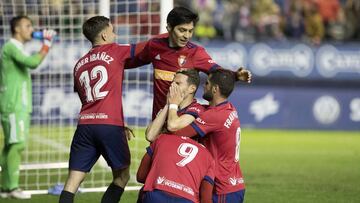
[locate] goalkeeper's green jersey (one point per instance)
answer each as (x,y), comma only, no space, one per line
(15,78)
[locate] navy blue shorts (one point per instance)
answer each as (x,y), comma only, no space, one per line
(163,197)
(91,141)
(237,197)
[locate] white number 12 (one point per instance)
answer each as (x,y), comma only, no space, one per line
(188,151)
(94,92)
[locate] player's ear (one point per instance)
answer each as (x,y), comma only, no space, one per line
(192,89)
(103,36)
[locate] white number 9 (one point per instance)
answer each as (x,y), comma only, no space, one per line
(188,151)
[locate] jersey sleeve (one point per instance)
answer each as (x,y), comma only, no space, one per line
(203,62)
(210,174)
(140,55)
(21,58)
(206,123)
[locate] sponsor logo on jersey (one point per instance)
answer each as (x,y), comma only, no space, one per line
(182,60)
(169,183)
(157,57)
(236,181)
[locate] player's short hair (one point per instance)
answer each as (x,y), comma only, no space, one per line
(93,26)
(225,79)
(15,22)
(180,15)
(193,76)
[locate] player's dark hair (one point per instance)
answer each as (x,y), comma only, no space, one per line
(193,76)
(225,79)
(93,26)
(15,22)
(180,15)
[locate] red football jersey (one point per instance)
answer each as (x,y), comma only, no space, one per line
(166,61)
(194,109)
(179,165)
(221,126)
(98,78)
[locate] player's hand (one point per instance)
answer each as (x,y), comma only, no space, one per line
(48,36)
(244,75)
(175,94)
(129,133)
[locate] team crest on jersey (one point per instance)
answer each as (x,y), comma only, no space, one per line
(182,60)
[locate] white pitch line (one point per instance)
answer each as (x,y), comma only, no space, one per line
(50,143)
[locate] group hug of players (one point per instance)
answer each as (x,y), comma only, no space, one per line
(194,150)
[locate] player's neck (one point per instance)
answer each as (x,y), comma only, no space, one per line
(18,38)
(217,100)
(186,102)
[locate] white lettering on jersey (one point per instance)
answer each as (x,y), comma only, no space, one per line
(195,109)
(200,121)
(103,56)
(230,119)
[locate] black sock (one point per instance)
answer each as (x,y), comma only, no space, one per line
(112,194)
(66,197)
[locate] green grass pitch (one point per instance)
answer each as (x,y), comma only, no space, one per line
(282,166)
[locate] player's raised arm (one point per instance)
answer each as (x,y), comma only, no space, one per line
(156,126)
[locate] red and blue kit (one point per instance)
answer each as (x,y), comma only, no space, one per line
(221,126)
(98,80)
(179,165)
(166,61)
(194,109)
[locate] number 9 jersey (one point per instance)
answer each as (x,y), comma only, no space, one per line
(98,78)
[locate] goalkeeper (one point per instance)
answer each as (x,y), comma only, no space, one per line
(16,100)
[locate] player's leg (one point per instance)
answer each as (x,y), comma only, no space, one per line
(16,130)
(115,151)
(83,156)
(115,190)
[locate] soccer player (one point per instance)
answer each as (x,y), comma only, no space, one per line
(174,117)
(98,80)
(176,169)
(219,126)
(16,100)
(173,51)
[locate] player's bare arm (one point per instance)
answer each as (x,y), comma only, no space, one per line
(174,121)
(156,126)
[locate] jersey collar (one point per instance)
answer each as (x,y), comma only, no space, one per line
(17,43)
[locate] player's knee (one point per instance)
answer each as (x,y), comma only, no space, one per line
(121,177)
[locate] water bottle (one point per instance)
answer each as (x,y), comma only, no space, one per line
(39,35)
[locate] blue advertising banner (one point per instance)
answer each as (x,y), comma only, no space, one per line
(298,108)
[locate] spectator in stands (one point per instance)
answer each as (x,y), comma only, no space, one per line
(16,100)
(328,10)
(266,17)
(314,27)
(205,27)
(337,28)
(352,12)
(294,25)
